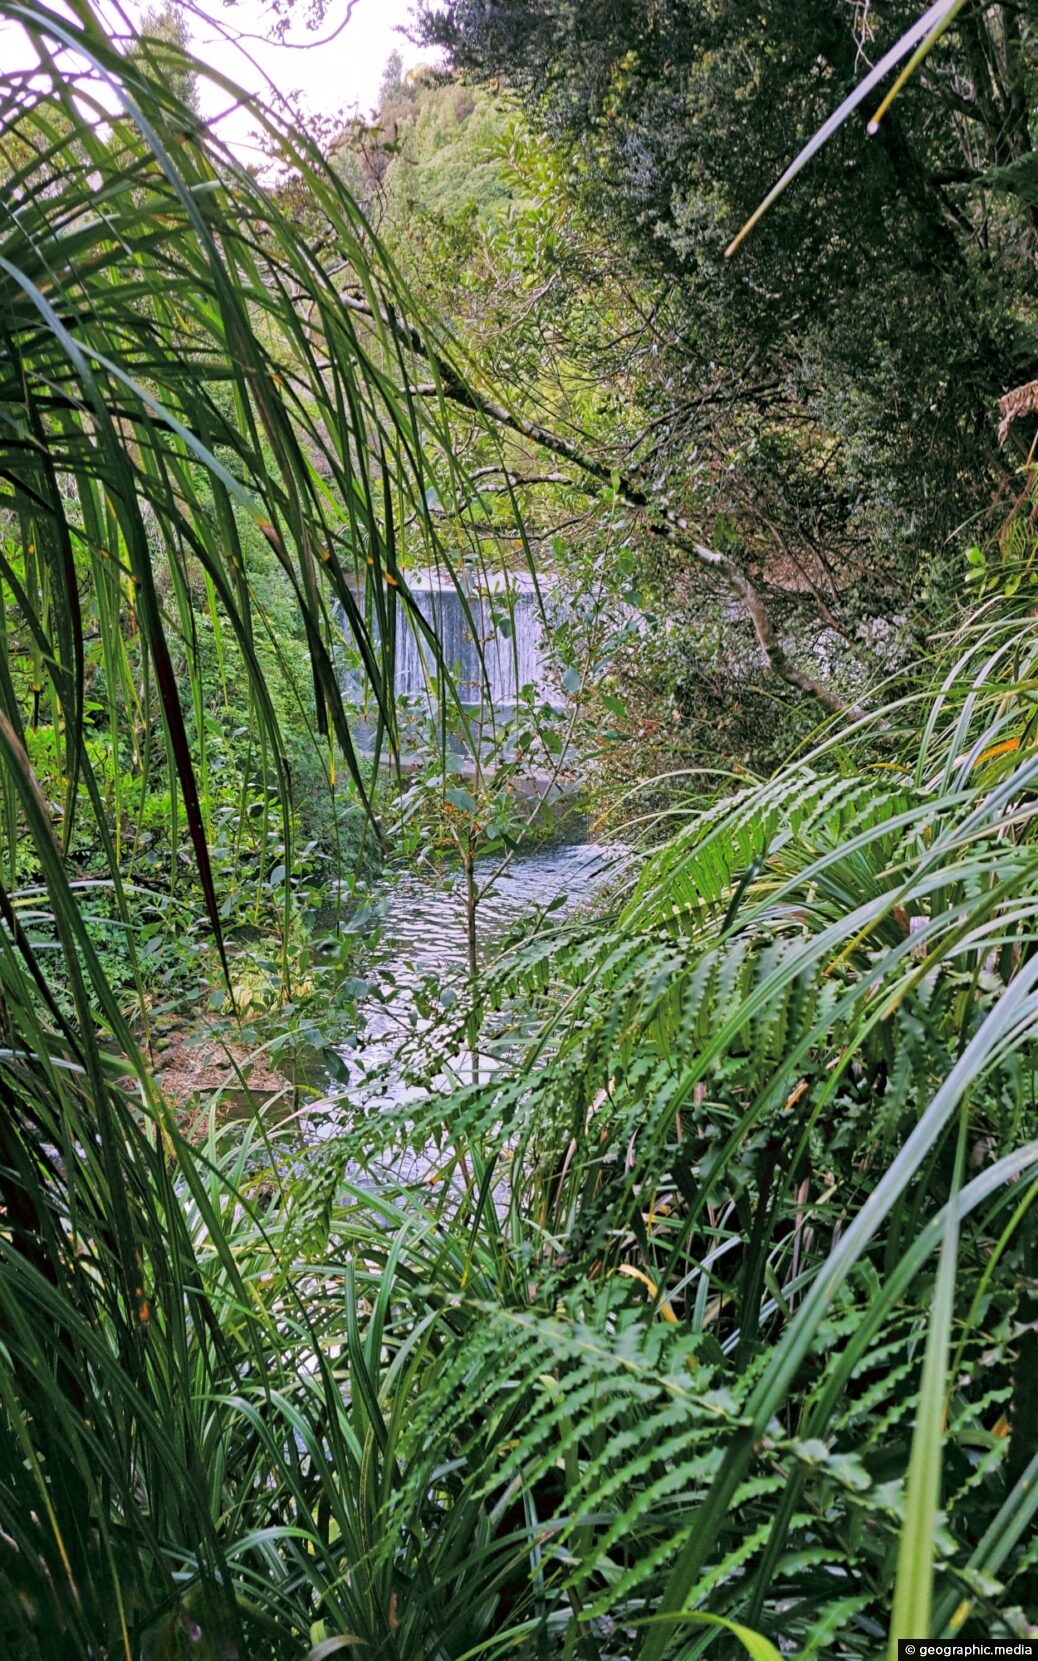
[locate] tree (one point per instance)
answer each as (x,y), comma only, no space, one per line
(392,82)
(564,371)
(856,345)
(165,40)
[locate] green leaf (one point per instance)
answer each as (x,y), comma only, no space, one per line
(926,30)
(913,1587)
(755,1644)
(461,799)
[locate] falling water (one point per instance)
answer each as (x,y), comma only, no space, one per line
(492,648)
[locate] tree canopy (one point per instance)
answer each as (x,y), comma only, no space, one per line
(884,303)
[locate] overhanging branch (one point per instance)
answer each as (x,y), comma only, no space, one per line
(659,521)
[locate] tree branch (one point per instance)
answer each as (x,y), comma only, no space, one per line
(659,521)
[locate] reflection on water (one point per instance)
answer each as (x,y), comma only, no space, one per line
(421,958)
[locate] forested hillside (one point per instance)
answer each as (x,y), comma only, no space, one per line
(822,406)
(421,1236)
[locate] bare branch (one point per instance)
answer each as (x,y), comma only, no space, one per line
(514,480)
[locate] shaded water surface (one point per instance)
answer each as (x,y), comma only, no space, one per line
(421,956)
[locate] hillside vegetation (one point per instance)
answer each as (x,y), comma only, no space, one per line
(706,1320)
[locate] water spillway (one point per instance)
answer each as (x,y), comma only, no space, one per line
(491,645)
(484,651)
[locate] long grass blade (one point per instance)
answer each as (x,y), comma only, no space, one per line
(927,29)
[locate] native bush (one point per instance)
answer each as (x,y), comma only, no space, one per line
(709,1318)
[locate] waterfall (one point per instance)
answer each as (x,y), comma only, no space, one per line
(513,656)
(492,647)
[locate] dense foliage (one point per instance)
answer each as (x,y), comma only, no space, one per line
(708,1320)
(821,404)
(896,314)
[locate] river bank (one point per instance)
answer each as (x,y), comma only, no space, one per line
(414,968)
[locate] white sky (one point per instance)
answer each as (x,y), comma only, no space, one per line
(342,75)
(323,75)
